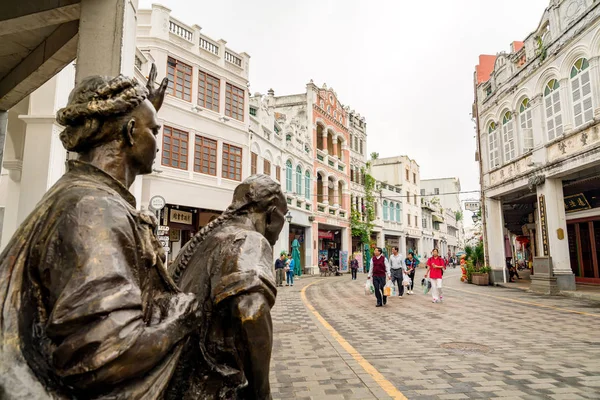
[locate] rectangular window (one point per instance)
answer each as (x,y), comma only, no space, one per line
(416,221)
(422,192)
(424,222)
(232,162)
(436,191)
(253,111)
(415,197)
(278,173)
(361,146)
(208,91)
(253,162)
(234,102)
(267,167)
(414,178)
(407,175)
(408,219)
(175,148)
(180,79)
(408,198)
(205,156)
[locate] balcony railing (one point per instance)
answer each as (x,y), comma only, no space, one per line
(209,46)
(180,31)
(233,59)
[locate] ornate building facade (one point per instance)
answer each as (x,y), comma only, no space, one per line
(537,109)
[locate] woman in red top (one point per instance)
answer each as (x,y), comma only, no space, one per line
(435,265)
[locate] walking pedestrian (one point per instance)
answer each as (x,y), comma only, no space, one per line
(289,271)
(411,267)
(435,267)
(354,268)
(279,269)
(379,270)
(398,270)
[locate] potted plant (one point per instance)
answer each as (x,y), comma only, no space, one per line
(477,273)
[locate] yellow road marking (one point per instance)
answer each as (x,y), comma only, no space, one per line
(386,385)
(526,302)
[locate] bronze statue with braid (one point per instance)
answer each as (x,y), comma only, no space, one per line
(228,265)
(87,308)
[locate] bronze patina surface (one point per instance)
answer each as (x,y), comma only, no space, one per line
(87,308)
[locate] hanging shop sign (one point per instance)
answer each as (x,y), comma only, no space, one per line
(175,235)
(326,235)
(576,202)
(157,203)
(180,217)
(543,223)
(162,230)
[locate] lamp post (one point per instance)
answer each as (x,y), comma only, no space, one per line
(475,218)
(288,217)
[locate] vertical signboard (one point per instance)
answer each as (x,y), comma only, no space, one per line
(543,224)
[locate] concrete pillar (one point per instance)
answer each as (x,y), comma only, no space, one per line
(494,235)
(346,240)
(380,240)
(402,245)
(325,183)
(324,149)
(556,222)
(335,149)
(3,125)
(308,245)
(283,242)
(336,195)
(107,31)
(538,121)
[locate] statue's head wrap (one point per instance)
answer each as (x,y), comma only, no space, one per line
(95,101)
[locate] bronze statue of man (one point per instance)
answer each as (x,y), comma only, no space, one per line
(228,265)
(87,309)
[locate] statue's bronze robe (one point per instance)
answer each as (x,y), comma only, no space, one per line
(232,261)
(79,281)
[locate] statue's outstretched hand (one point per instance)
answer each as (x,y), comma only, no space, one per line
(156,96)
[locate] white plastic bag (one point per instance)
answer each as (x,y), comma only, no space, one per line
(406,281)
(369,288)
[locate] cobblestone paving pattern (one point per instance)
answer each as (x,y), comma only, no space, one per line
(476,345)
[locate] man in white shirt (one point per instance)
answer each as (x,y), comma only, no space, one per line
(379,270)
(398,269)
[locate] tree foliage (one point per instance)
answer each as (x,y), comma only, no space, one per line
(362,223)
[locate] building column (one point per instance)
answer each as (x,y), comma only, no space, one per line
(336,195)
(283,241)
(325,183)
(346,240)
(335,142)
(3,126)
(324,149)
(107,31)
(309,232)
(402,245)
(380,240)
(494,235)
(557,246)
(13,193)
(538,125)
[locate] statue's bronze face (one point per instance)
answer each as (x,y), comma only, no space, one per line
(144,132)
(277,219)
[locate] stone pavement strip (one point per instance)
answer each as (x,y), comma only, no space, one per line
(481,343)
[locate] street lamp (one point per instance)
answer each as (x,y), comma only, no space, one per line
(288,217)
(475,218)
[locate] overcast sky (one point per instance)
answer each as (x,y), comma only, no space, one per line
(407,67)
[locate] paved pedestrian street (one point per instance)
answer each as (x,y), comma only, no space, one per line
(331,342)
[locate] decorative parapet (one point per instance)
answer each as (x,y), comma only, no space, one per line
(180,29)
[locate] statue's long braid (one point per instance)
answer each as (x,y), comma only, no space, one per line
(195,241)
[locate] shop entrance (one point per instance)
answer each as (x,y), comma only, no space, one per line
(584,249)
(297,233)
(330,244)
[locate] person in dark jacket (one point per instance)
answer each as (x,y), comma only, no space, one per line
(279,269)
(379,271)
(411,267)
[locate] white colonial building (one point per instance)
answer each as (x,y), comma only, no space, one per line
(281,147)
(537,109)
(443,195)
(401,176)
(203,144)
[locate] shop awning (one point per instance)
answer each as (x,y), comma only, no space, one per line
(437,218)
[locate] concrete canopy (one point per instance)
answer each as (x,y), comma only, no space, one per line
(38,38)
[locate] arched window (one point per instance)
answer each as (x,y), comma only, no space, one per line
(307,185)
(385,210)
(392,211)
(581,90)
(398,213)
(288,176)
(493,146)
(298,180)
(553,111)
(526,125)
(508,137)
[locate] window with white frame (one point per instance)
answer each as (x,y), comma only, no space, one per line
(581,90)
(307,182)
(526,125)
(508,136)
(385,210)
(398,213)
(288,176)
(392,214)
(554,123)
(493,146)
(298,180)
